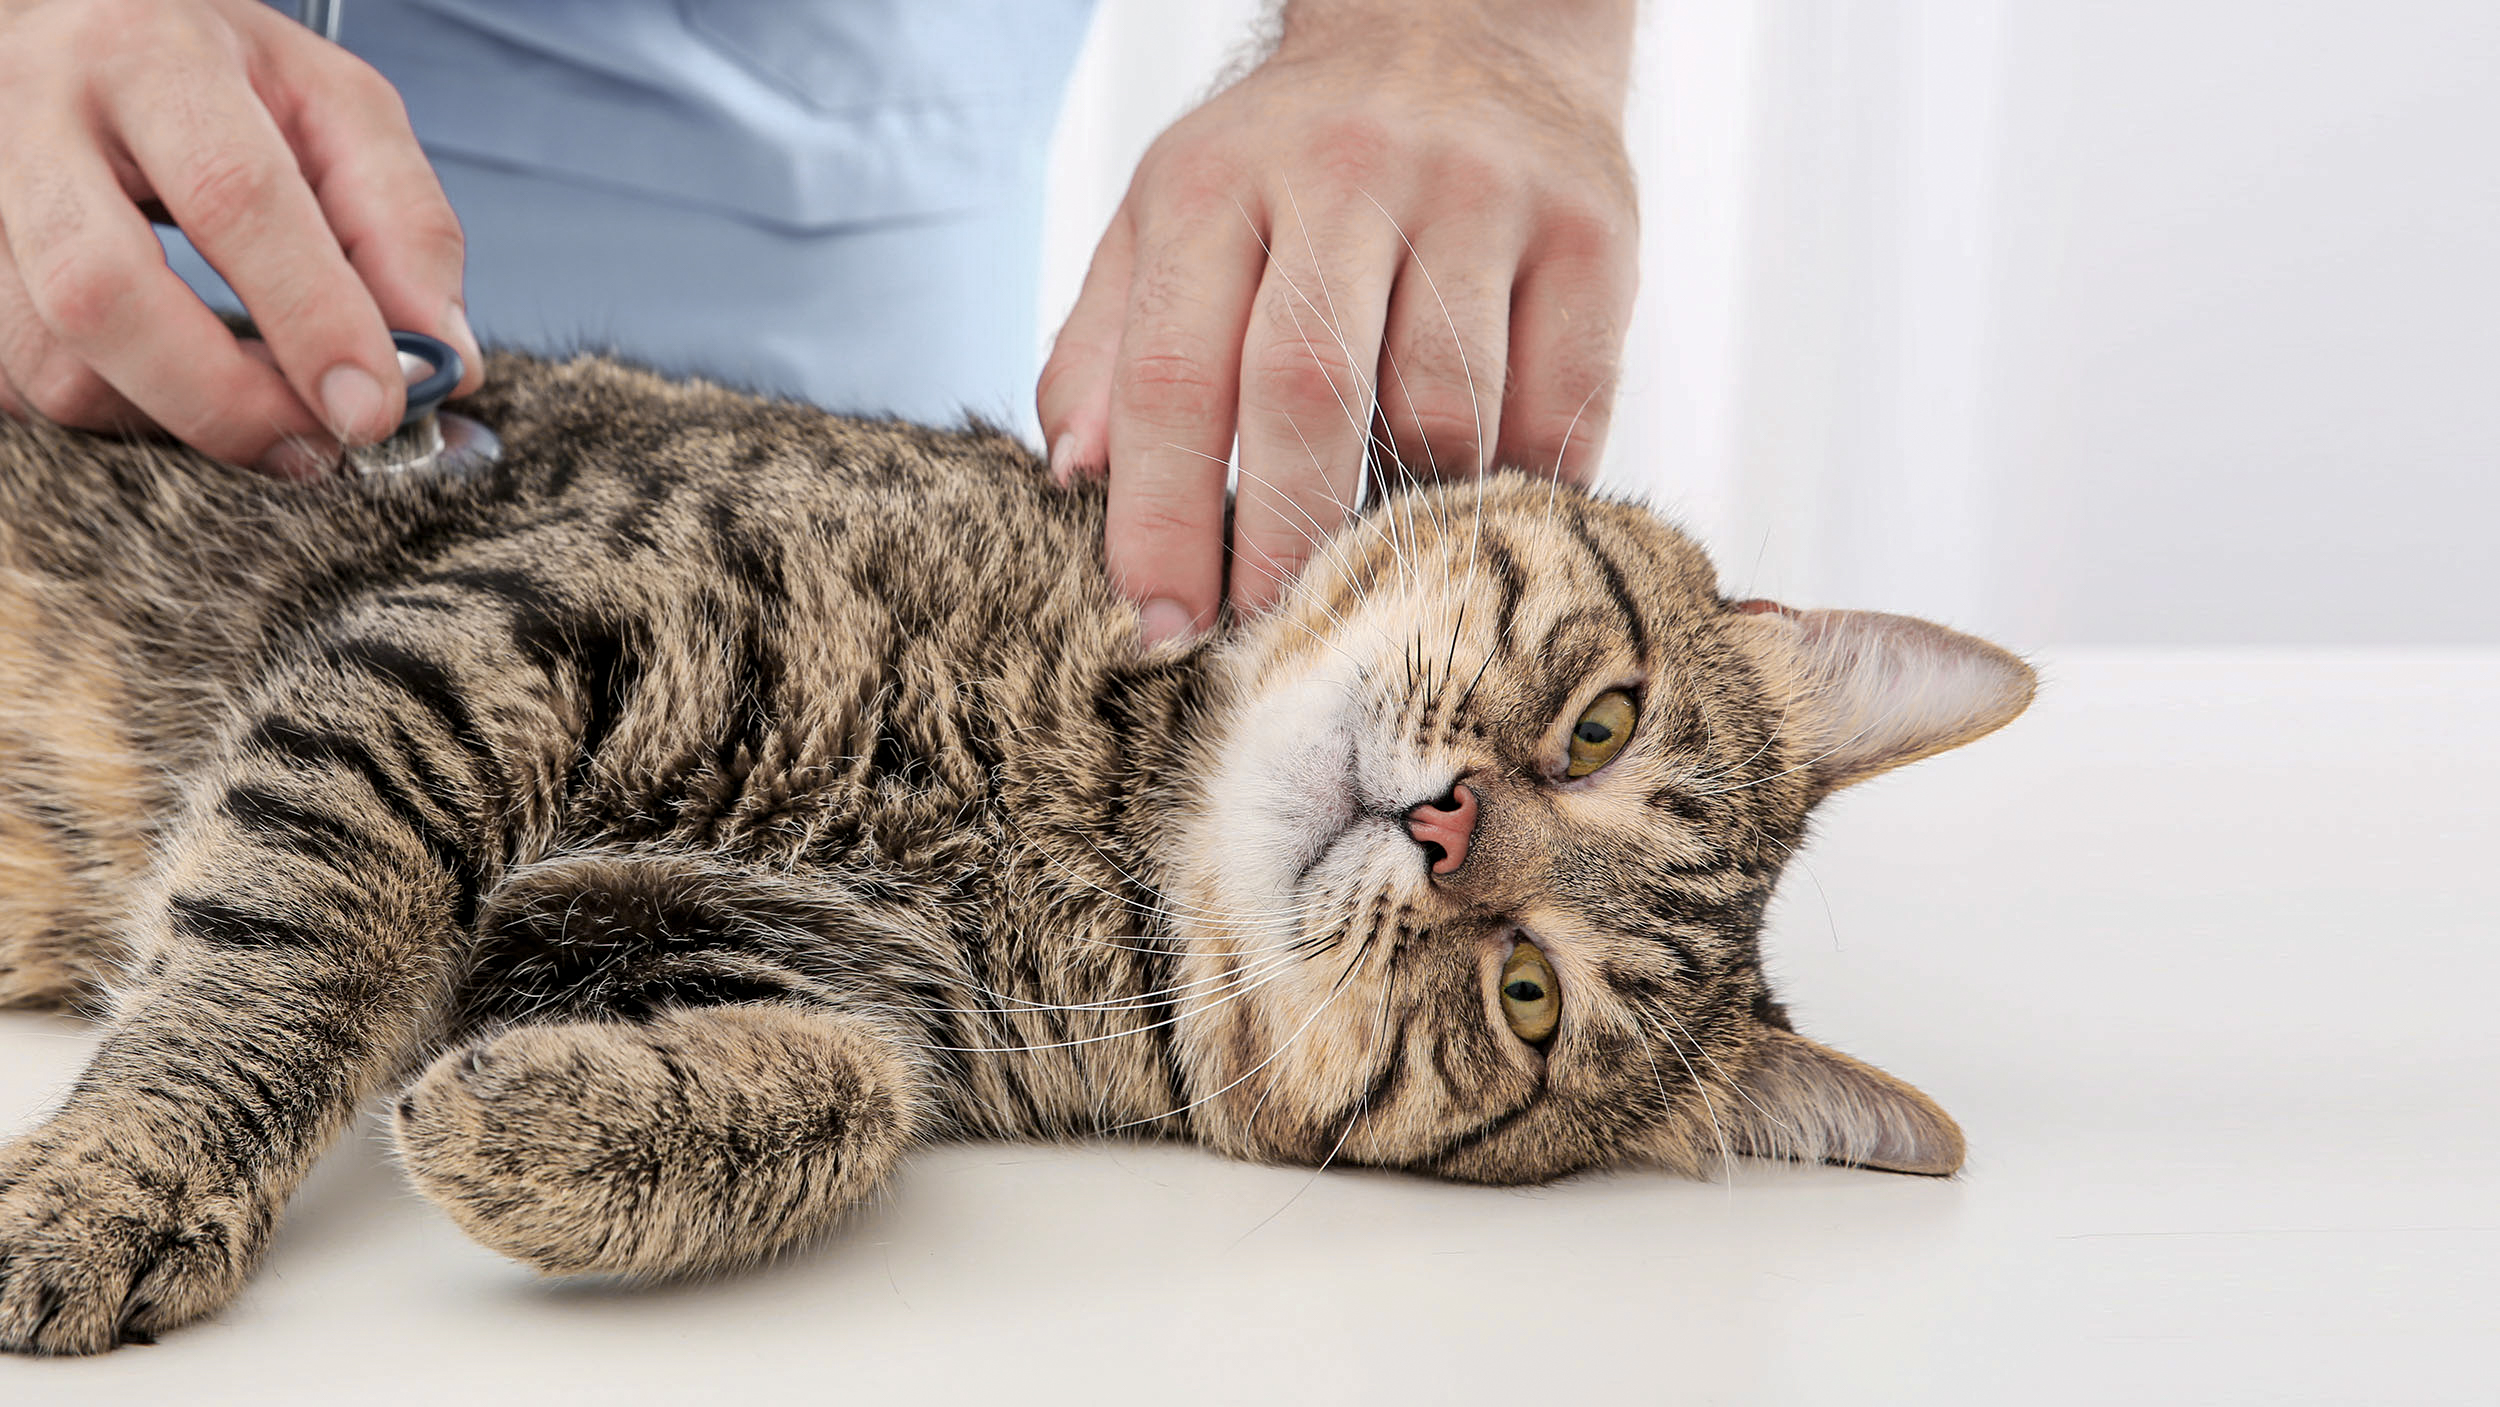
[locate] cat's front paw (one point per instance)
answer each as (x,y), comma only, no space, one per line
(108,1237)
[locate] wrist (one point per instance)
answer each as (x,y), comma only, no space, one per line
(1586,43)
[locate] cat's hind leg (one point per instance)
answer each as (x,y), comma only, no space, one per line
(662,1092)
(698,1139)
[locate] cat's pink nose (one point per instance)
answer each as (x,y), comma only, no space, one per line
(1443,828)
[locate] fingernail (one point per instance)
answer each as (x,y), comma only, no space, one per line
(456,332)
(352,399)
(1063,459)
(297,459)
(1160,620)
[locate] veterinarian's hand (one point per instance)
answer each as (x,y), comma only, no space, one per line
(1416,210)
(287,161)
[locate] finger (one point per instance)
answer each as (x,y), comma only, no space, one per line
(1567,317)
(1074,394)
(382,199)
(96,278)
(1307,395)
(213,154)
(41,378)
(1444,359)
(1172,398)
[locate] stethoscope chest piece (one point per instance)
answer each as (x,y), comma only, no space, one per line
(429,440)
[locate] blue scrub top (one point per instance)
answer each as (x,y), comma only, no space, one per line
(835,199)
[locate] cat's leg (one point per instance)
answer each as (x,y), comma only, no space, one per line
(288,958)
(697,1139)
(667,1094)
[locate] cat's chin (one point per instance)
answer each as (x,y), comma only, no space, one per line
(1277,804)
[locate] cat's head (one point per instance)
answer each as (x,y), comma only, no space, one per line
(1476,878)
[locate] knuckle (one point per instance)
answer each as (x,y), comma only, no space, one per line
(360,83)
(81,300)
(434,235)
(1442,421)
(98,24)
(1431,358)
(1187,184)
(1157,518)
(224,190)
(122,17)
(1352,150)
(1300,372)
(1480,181)
(1168,387)
(1581,230)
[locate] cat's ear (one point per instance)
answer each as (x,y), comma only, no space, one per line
(1871,691)
(1807,1101)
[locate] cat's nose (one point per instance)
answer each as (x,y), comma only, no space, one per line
(1443,828)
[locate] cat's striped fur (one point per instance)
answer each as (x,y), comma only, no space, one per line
(720,797)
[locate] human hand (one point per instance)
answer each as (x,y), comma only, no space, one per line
(1419,212)
(289,164)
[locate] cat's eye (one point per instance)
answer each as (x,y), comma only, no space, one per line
(1600,733)
(1531,1000)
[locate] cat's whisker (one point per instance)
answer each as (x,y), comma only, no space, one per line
(1458,343)
(1727,1155)
(1329,321)
(1563,451)
(1177,943)
(1768,739)
(1831,917)
(1370,915)
(1733,1083)
(1151,998)
(1276,574)
(1366,420)
(1272,1056)
(1185,1014)
(1832,751)
(1165,905)
(1263,954)
(1483,451)
(1363,377)
(1315,534)
(1362,1107)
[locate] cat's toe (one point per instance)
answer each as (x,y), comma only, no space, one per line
(501,1137)
(105,1242)
(476,1063)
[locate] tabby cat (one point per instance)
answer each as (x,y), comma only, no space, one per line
(718,798)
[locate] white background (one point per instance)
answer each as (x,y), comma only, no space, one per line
(2064,321)
(2061,320)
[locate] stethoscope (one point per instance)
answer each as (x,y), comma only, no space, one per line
(319,16)
(429,439)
